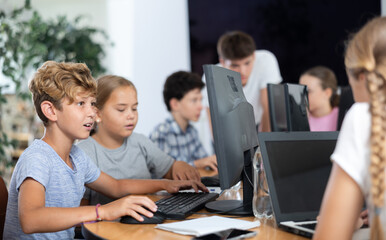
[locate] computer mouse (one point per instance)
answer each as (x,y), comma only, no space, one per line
(157,218)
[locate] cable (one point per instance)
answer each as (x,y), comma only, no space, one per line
(245,173)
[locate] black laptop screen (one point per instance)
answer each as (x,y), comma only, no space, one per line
(300,170)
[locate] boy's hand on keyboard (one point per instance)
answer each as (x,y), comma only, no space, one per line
(183,171)
(130,205)
(175,186)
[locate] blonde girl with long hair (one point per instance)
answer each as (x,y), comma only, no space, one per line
(358,172)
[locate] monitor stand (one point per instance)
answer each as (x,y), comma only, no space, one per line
(236,207)
(230,207)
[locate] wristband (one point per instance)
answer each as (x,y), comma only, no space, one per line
(97,214)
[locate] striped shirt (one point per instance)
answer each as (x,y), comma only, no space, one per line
(183,146)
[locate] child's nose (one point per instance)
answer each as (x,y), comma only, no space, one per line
(130,115)
(200,106)
(92,112)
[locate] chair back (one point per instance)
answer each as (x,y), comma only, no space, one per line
(3,205)
(345,102)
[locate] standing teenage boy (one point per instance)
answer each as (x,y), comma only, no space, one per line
(237,52)
(176,136)
(50,176)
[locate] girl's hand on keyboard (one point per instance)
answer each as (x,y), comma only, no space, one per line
(175,186)
(130,205)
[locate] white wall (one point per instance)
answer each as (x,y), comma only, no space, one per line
(155,35)
(151,41)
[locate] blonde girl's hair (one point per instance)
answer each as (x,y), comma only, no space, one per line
(366,54)
(106,85)
(54,81)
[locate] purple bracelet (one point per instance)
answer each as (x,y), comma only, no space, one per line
(96,210)
(98,219)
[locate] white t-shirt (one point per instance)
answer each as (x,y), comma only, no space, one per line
(265,70)
(352,152)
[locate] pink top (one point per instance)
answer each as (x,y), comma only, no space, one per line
(325,123)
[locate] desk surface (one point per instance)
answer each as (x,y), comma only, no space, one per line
(117,230)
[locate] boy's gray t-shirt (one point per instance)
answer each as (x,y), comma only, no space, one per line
(137,158)
(64,187)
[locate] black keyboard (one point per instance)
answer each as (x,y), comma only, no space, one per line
(180,205)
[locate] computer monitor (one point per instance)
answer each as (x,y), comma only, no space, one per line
(288,105)
(235,138)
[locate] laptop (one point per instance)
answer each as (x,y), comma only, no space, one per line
(297,166)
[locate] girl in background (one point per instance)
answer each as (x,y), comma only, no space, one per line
(322,86)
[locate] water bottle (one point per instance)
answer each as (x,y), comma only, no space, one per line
(261,204)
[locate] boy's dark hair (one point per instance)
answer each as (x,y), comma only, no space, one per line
(235,45)
(180,83)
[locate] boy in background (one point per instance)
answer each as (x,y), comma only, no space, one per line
(237,52)
(176,136)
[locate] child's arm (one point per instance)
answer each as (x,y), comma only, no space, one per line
(210,161)
(36,217)
(113,188)
(180,170)
(265,125)
(341,206)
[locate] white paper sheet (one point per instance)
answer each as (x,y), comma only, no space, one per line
(206,225)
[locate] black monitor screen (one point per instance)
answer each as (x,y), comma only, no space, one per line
(300,173)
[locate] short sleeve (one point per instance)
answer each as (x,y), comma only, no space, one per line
(268,68)
(352,149)
(36,165)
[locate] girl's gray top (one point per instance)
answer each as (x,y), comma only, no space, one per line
(137,158)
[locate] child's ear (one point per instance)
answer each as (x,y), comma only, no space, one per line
(98,118)
(49,110)
(173,104)
(362,77)
(221,61)
(328,92)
